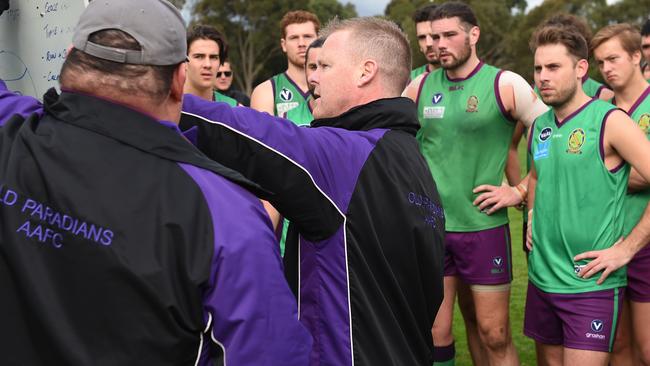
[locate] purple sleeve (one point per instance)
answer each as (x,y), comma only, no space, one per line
(12,103)
(250,312)
(333,157)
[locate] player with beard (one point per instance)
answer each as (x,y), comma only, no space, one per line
(617,50)
(289,90)
(590,86)
(425,42)
(582,150)
(471,125)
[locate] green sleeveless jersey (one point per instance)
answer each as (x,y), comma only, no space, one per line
(288,96)
(578,201)
(300,115)
(218,97)
(635,203)
(419,71)
(590,86)
(464,137)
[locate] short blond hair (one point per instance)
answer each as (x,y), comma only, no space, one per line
(627,34)
(381,40)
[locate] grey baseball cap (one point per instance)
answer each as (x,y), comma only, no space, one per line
(156,24)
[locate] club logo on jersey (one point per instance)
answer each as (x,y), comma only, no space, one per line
(545,134)
(497,261)
(577,268)
(437,98)
(286,95)
(472,104)
(576,140)
(644,122)
(597,325)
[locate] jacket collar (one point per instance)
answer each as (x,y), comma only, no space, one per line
(390,113)
(135,129)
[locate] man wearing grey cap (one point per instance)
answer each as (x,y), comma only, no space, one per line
(120,243)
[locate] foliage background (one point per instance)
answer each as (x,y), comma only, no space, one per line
(252,28)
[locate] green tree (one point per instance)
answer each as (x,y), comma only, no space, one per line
(496,19)
(252,31)
(401,12)
(328,9)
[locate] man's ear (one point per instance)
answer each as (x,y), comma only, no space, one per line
(178,82)
(474,35)
(369,70)
(582,68)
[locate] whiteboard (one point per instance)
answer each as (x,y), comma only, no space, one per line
(34,37)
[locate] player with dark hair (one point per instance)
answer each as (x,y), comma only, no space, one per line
(422,21)
(468,110)
(582,150)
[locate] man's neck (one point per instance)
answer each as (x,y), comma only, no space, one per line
(568,108)
(432,67)
(297,74)
(464,70)
(630,92)
(207,94)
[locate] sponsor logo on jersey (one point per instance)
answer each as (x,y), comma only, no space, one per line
(455,88)
(576,140)
(286,95)
(433,112)
(542,150)
(644,122)
(577,268)
(285,107)
(472,104)
(437,98)
(545,134)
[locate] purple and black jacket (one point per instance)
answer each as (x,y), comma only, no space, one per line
(364,252)
(122,244)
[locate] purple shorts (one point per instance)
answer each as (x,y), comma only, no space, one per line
(479,257)
(638,276)
(585,321)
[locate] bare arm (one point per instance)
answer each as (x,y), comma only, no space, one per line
(623,140)
(513,166)
(522,104)
(262,98)
(532,183)
(636,182)
(519,99)
(606,95)
(411,90)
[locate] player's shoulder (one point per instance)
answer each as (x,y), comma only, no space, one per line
(263,87)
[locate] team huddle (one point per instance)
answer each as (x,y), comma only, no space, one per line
(337,220)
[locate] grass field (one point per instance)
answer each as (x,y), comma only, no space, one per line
(525,346)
